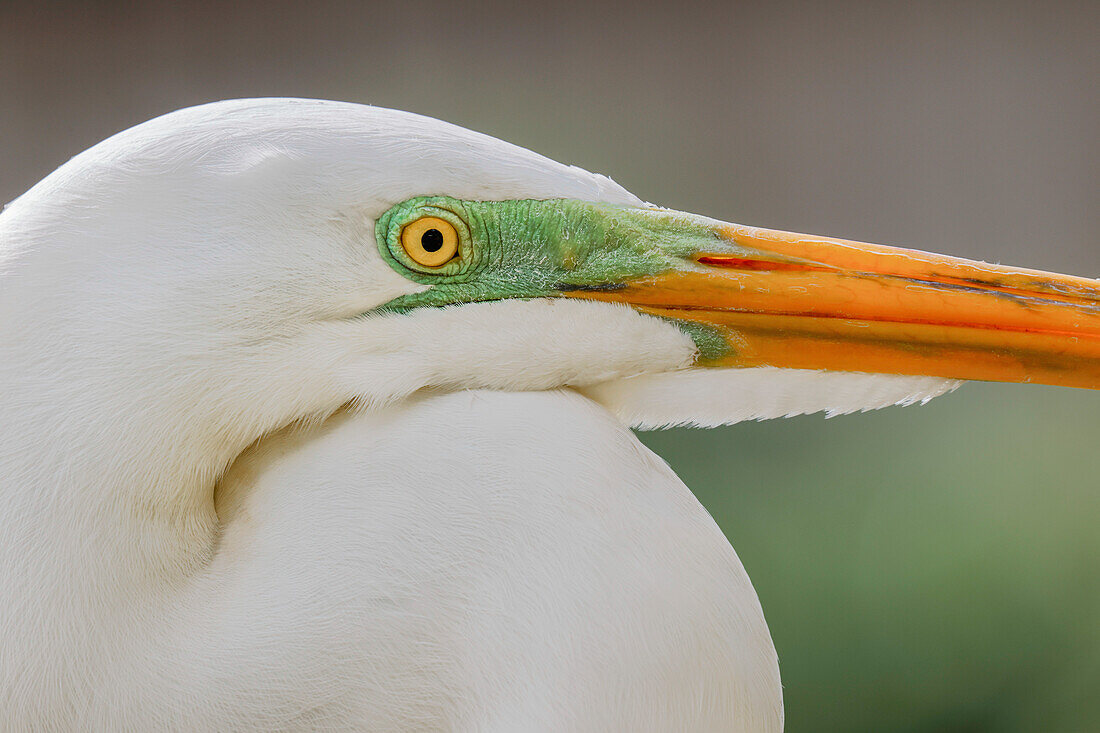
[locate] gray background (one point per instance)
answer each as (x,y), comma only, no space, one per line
(926,569)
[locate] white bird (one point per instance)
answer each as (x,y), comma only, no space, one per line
(316,416)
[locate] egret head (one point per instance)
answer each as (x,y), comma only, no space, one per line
(275,259)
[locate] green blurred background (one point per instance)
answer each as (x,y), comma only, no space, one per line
(922,569)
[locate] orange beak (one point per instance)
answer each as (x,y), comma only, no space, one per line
(774,298)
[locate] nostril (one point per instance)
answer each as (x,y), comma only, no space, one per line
(742,263)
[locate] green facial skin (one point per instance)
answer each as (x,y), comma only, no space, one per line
(545,248)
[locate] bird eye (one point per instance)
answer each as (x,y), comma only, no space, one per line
(430,241)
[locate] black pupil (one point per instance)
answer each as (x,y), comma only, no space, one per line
(432,240)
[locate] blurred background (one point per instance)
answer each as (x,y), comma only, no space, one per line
(922,569)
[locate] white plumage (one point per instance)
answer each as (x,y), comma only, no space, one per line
(440,523)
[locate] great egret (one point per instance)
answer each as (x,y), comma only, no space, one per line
(315,416)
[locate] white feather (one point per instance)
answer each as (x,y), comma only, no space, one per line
(712,397)
(440,559)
